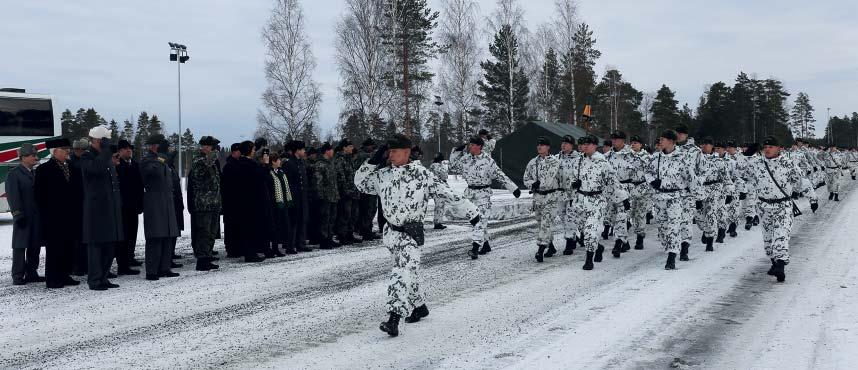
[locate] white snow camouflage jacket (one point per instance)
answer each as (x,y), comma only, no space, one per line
(676,176)
(479,170)
(596,175)
(546,170)
(783,170)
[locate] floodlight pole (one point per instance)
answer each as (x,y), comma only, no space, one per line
(179,64)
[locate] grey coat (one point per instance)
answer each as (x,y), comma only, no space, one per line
(102,213)
(22,203)
(159,213)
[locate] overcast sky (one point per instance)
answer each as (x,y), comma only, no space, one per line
(113,55)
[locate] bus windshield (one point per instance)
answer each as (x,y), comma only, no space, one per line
(26,117)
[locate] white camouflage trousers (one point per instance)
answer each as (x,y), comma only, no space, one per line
(403,293)
(776,219)
(641,204)
(569,217)
(670,213)
(617,217)
(832,179)
(750,204)
(707,217)
(482,198)
(589,214)
(729,213)
(545,209)
(438,215)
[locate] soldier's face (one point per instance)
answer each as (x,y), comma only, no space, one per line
(125,153)
(636,146)
(720,151)
(206,149)
(235,154)
(681,137)
(587,148)
(707,148)
(618,143)
(543,149)
(771,151)
(731,150)
(399,157)
(349,149)
(301,153)
(566,147)
(475,149)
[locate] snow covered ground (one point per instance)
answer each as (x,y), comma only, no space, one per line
(321,310)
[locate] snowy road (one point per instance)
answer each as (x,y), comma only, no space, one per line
(321,309)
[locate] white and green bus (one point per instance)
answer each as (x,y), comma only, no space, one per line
(24,118)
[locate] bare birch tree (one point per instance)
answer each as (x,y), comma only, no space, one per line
(460,65)
(565,23)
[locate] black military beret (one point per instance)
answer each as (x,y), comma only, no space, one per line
(607,143)
(771,140)
(800,140)
(720,144)
(569,139)
(542,140)
(399,141)
(618,135)
(124,144)
(708,140)
(311,150)
(635,139)
(58,143)
(669,135)
(476,140)
(325,147)
(295,145)
(588,139)
(681,129)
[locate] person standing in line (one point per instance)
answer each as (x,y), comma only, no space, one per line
(640,193)
(328,194)
(76,215)
(26,234)
(160,226)
(131,190)
(204,203)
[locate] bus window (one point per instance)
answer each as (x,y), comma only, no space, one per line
(26,117)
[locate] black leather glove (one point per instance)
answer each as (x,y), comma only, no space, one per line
(815,169)
(379,156)
(743,196)
(698,204)
(796,195)
(535,186)
(728,200)
(576,185)
(21,221)
(627,205)
(814,206)
(461,147)
(656,184)
(516,193)
(474,221)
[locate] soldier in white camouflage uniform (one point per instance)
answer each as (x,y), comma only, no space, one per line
(640,192)
(542,176)
(595,183)
(730,216)
(488,142)
(674,182)
(619,156)
(798,155)
(852,157)
(834,166)
(479,169)
(777,181)
(714,182)
(439,168)
(693,159)
(568,160)
(404,188)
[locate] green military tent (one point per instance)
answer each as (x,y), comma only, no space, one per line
(513,151)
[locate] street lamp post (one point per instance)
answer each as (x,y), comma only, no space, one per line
(439,103)
(179,54)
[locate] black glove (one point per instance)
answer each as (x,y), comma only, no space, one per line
(627,205)
(808,172)
(752,148)
(743,196)
(796,195)
(815,169)
(21,221)
(729,199)
(379,156)
(461,147)
(474,221)
(656,184)
(535,186)
(698,204)
(516,193)
(814,206)
(576,185)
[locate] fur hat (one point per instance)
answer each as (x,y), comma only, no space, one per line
(99,132)
(399,141)
(57,143)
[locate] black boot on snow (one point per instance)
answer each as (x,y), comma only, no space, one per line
(709,241)
(417,314)
(391,326)
(439,227)
(648,217)
(598,256)
(540,252)
(486,248)
(732,230)
(836,197)
(605,232)
(671,261)
(778,270)
(639,242)
(551,250)
(570,246)
(626,247)
(721,234)
(748,222)
(757,218)
(683,251)
(588,264)
(771,271)
(830,196)
(474,252)
(618,248)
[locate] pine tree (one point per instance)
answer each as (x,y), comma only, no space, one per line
(615,108)
(114,129)
(142,133)
(665,113)
(713,112)
(504,100)
(67,125)
(155,126)
(802,117)
(549,87)
(127,131)
(583,58)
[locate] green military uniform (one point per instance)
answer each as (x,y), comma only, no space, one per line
(327,193)
(205,204)
(349,196)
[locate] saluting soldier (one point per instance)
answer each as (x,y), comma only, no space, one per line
(542,176)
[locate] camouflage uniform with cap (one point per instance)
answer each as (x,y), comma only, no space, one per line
(835,163)
(716,183)
(542,176)
(345,166)
(616,216)
(568,161)
(479,171)
(439,168)
(328,195)
(640,193)
(404,192)
(729,217)
(776,181)
(693,159)
(204,204)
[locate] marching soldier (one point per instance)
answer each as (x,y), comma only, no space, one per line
(694,160)
(617,218)
(776,181)
(595,183)
(404,188)
(714,182)
(568,160)
(834,164)
(640,193)
(674,181)
(729,219)
(479,169)
(542,176)
(439,168)
(204,203)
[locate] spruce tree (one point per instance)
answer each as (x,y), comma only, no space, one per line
(583,58)
(127,131)
(155,125)
(114,129)
(665,113)
(142,133)
(549,87)
(802,117)
(504,99)
(67,125)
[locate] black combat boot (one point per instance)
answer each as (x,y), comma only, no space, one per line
(648,217)
(598,256)
(437,227)
(732,230)
(836,197)
(289,249)
(253,257)
(683,251)
(474,252)
(721,234)
(605,232)
(771,271)
(639,242)
(748,222)
(588,264)
(671,261)
(830,195)
(203,264)
(417,314)
(778,270)
(486,248)
(626,247)
(703,239)
(570,246)
(551,250)
(709,241)
(618,248)
(540,252)
(276,250)
(757,218)
(391,326)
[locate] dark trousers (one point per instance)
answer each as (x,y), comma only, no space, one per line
(58,261)
(159,255)
(80,258)
(344,218)
(203,233)
(229,243)
(298,230)
(314,224)
(368,206)
(327,216)
(100,256)
(25,262)
(381,219)
(125,249)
